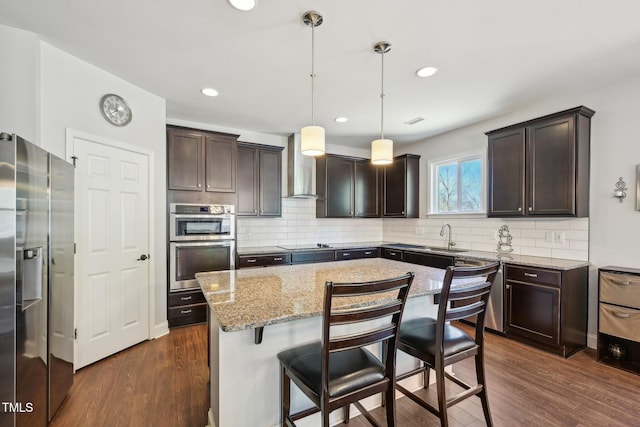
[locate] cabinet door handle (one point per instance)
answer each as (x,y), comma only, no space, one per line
(199,185)
(186,298)
(278,258)
(508,286)
(519,209)
(531,274)
(185,311)
(621,315)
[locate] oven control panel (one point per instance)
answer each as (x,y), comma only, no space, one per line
(185,208)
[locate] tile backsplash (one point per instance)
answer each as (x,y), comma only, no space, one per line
(557,238)
(299,225)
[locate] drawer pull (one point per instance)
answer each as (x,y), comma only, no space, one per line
(251,260)
(278,258)
(185,311)
(531,274)
(186,298)
(625,283)
(621,315)
(345,254)
(393,253)
(367,253)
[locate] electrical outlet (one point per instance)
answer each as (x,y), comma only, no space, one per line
(558,236)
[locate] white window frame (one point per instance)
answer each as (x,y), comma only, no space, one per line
(459,158)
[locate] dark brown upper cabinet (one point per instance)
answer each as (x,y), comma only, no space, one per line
(401,187)
(541,167)
(259,180)
(347,187)
(201,161)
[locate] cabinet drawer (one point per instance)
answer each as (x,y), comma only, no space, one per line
(392,254)
(311,256)
(264,260)
(186,298)
(189,311)
(355,254)
(533,275)
(620,321)
(622,289)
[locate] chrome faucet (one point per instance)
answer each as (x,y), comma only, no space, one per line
(449,243)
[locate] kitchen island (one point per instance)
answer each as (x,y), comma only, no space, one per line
(286,301)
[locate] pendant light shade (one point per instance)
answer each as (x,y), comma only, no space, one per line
(312,140)
(382,152)
(382,149)
(312,136)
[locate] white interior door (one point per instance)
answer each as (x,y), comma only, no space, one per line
(112,217)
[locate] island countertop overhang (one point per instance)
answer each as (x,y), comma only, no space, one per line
(257,297)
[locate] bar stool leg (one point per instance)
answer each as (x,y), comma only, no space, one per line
(285,396)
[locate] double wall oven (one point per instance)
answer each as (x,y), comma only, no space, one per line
(201,238)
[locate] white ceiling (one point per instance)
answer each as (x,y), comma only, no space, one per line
(493,56)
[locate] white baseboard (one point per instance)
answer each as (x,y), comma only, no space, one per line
(160,330)
(592,341)
(210,419)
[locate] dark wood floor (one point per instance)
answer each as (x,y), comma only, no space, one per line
(164,383)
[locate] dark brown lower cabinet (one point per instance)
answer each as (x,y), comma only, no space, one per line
(430,260)
(186,308)
(547,308)
(264,260)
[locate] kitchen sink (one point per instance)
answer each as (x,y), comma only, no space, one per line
(445,249)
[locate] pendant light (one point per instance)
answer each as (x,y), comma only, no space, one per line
(312,136)
(382,149)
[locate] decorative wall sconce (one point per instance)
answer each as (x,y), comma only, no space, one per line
(621,190)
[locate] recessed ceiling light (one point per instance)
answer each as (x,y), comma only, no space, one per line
(243,5)
(426,71)
(342,119)
(209,91)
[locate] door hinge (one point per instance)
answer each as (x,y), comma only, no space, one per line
(74,248)
(75,333)
(73,159)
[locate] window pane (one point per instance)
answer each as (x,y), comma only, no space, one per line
(448,187)
(471,186)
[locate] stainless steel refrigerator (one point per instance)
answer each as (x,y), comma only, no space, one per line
(36,282)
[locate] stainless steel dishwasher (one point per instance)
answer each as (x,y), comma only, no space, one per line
(494,317)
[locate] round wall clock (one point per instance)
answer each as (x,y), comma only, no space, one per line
(115,110)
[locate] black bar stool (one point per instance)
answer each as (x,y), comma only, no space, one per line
(438,344)
(338,370)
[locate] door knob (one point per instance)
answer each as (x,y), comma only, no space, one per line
(142,257)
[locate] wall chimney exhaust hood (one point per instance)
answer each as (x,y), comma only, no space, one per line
(301,171)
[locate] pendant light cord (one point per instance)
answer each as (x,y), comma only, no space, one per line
(382,100)
(313,74)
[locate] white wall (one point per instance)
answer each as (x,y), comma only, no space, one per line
(614,228)
(70,92)
(19,90)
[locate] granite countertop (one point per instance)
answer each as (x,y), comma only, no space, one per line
(256,297)
(525,260)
